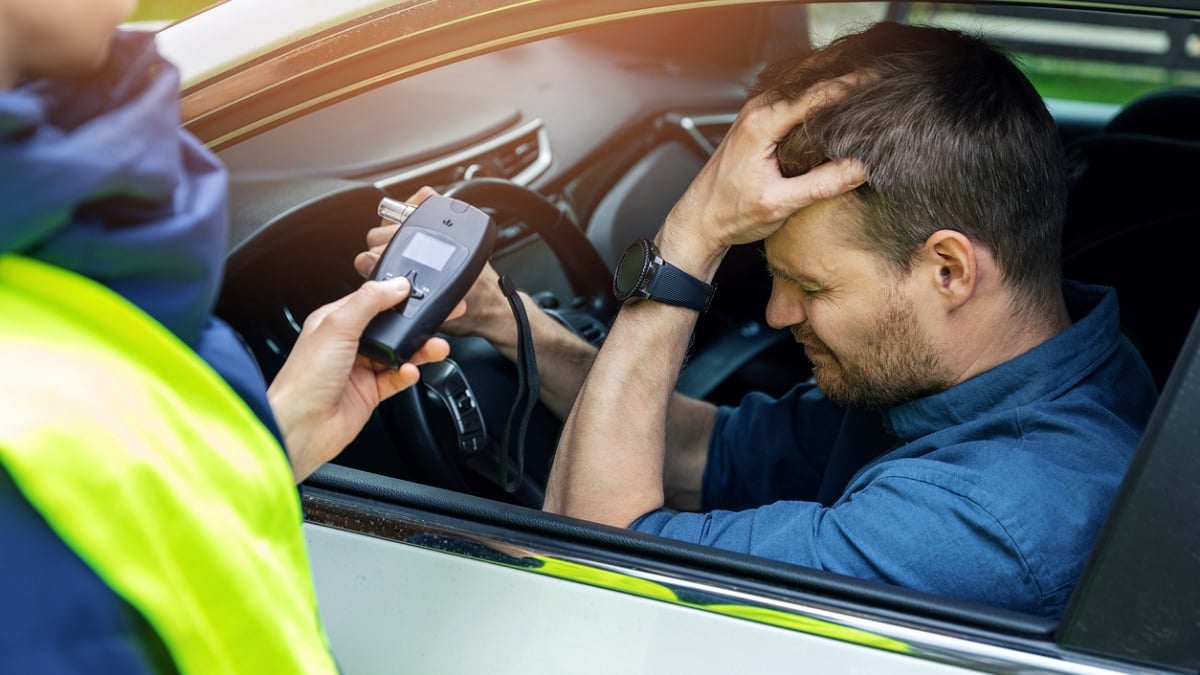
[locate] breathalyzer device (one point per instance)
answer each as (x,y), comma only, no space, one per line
(441,247)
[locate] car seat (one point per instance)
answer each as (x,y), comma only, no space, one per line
(1134,210)
(1170,113)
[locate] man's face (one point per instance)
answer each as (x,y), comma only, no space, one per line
(855,316)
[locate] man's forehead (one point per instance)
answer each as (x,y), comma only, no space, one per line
(813,236)
(836,221)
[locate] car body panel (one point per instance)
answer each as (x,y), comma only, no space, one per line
(452,602)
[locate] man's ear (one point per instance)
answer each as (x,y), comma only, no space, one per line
(950,263)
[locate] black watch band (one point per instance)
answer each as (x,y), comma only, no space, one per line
(642,274)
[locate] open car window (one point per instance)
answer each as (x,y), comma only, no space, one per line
(608,121)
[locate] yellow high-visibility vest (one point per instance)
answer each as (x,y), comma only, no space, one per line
(156,473)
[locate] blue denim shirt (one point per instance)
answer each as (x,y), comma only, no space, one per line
(991,491)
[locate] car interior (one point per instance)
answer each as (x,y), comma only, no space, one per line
(581,142)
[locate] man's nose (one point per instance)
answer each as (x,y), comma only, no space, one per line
(784,309)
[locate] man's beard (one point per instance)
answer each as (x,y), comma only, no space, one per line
(892,364)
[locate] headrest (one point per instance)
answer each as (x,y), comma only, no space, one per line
(1170,113)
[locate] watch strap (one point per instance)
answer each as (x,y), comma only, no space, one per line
(673,286)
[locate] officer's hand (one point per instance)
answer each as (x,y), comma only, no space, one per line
(326,391)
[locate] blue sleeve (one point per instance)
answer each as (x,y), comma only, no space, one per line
(225,352)
(768,449)
(897,529)
(58,616)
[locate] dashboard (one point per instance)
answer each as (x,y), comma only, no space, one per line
(609,125)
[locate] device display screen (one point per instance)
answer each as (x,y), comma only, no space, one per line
(428,251)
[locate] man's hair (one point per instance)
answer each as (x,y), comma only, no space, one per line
(953,136)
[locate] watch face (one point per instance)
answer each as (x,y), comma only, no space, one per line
(630,270)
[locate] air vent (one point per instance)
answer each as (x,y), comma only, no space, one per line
(706,130)
(520,155)
(513,158)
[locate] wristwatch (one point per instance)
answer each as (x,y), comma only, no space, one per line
(643,275)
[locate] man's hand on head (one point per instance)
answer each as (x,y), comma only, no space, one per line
(740,196)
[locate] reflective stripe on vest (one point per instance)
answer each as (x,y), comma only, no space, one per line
(149,466)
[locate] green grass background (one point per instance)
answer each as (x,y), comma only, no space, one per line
(167,10)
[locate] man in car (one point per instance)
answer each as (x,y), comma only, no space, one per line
(970,414)
(149,520)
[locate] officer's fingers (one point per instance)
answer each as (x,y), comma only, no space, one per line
(389,381)
(350,315)
(434,350)
(318,315)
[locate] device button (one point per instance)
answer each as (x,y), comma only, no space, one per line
(414,291)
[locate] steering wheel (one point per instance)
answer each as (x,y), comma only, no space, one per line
(476,386)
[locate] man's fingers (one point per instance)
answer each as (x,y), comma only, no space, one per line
(364,263)
(778,117)
(420,195)
(380,236)
(822,182)
(817,96)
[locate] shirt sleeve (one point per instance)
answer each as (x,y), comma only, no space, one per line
(59,616)
(902,530)
(769,449)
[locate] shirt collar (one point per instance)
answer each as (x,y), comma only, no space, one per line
(1048,369)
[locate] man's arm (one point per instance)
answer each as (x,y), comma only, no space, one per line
(611,459)
(563,360)
(610,465)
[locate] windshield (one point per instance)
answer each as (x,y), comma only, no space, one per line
(1072,55)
